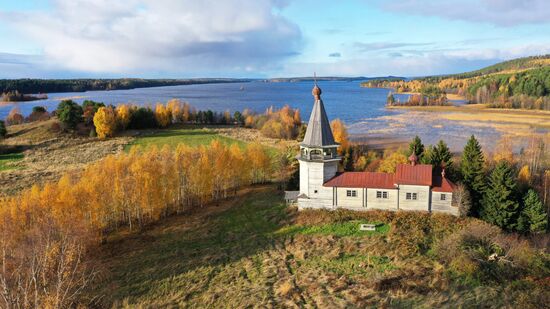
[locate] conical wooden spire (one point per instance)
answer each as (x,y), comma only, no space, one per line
(318,131)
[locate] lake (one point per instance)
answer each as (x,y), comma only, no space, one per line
(362,109)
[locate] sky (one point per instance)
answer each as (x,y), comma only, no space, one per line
(265,38)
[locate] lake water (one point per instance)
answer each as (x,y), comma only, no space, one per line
(362,109)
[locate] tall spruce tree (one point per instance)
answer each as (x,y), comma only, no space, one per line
(499,204)
(417,147)
(439,155)
(471,168)
(533,217)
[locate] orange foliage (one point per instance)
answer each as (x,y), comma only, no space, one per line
(14,117)
(61,220)
(162,115)
(105,122)
(123,115)
(340,134)
(390,162)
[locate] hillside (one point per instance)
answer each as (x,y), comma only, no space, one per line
(253,251)
(520,83)
(518,64)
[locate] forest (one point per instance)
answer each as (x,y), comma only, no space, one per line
(46,233)
(28,86)
(520,83)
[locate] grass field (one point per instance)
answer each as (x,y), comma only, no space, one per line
(173,137)
(7,161)
(252,251)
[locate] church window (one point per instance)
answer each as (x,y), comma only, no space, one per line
(411,196)
(381,194)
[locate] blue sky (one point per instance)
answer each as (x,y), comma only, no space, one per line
(265,38)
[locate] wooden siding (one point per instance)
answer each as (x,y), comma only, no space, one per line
(348,201)
(422,201)
(382,203)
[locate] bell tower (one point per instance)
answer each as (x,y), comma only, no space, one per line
(318,157)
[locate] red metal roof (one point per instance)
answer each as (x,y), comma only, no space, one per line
(419,174)
(362,180)
(442,184)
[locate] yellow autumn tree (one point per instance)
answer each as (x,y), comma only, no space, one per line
(390,162)
(162,116)
(340,134)
(123,115)
(105,122)
(524,174)
(175,107)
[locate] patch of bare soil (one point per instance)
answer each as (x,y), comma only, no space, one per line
(49,154)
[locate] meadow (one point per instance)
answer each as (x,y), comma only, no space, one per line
(193,136)
(252,250)
(7,161)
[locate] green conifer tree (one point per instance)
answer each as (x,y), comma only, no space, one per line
(533,217)
(499,203)
(471,168)
(439,155)
(348,159)
(416,146)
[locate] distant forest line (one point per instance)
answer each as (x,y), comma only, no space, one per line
(520,83)
(28,86)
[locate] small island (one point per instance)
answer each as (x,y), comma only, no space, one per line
(16,96)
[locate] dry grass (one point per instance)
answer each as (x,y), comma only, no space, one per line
(47,154)
(255,136)
(39,154)
(233,255)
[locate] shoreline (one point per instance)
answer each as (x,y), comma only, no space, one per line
(480,113)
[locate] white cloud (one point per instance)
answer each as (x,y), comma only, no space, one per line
(412,63)
(498,12)
(178,36)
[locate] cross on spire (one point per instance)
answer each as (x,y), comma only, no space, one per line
(315,78)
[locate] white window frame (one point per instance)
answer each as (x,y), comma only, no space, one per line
(382,194)
(408,196)
(415,196)
(351,193)
(443,197)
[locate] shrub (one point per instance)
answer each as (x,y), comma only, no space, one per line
(39,109)
(482,252)
(142,118)
(69,113)
(410,233)
(3,131)
(14,117)
(38,113)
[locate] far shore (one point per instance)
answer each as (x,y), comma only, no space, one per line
(480,112)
